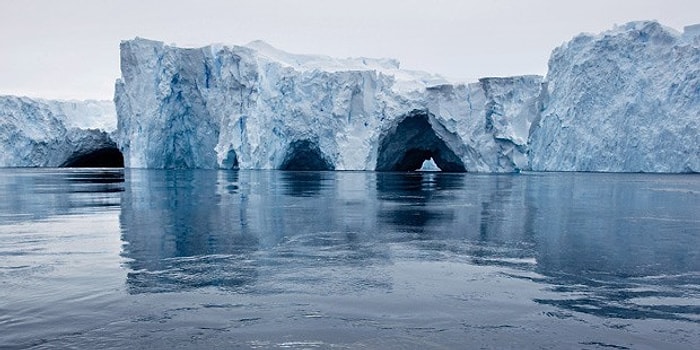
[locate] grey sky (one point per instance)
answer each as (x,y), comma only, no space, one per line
(70,48)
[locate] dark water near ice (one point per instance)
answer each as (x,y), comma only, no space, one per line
(265,259)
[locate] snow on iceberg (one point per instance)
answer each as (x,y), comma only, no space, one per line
(44,133)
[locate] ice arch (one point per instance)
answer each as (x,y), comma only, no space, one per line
(413,141)
(305,155)
(231,161)
(107,157)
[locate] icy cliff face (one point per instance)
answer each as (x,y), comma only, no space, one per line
(255,107)
(43,133)
(625,100)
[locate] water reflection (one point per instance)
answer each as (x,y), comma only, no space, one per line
(192,229)
(180,234)
(603,244)
(619,245)
(303,183)
(406,197)
(41,193)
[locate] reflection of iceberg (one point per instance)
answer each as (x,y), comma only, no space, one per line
(407,195)
(340,232)
(179,234)
(259,230)
(239,230)
(604,253)
(251,230)
(42,193)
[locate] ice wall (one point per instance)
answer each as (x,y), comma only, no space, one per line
(626,100)
(44,133)
(255,107)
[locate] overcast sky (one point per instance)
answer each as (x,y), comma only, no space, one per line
(69,49)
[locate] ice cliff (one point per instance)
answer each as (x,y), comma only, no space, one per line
(45,133)
(255,107)
(626,100)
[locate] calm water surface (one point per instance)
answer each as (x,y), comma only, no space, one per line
(264,259)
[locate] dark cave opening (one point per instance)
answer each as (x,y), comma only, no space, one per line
(109,157)
(231,161)
(304,155)
(412,142)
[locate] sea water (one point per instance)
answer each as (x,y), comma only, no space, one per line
(160,259)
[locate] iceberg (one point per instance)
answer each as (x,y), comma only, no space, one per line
(626,100)
(256,107)
(46,133)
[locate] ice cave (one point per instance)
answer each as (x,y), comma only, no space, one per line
(231,161)
(305,155)
(108,157)
(413,142)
